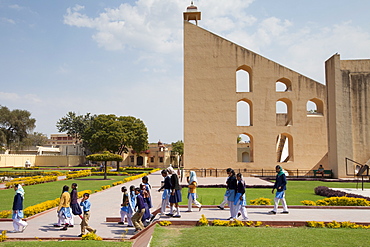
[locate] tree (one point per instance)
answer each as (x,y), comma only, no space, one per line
(116,134)
(178,148)
(105,156)
(34,139)
(15,125)
(74,125)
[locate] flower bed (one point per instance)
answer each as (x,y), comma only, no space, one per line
(338,201)
(335,224)
(325,191)
(30,181)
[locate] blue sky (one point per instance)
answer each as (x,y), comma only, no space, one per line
(125,57)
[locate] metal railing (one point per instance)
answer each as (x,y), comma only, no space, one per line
(298,173)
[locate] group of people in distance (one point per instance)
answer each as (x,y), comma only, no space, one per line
(235,194)
(136,205)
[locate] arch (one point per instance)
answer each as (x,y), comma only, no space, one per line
(315,106)
(284,116)
(284,148)
(283,85)
(244,79)
(244,112)
(245,148)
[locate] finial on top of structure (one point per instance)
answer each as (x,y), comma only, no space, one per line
(192,13)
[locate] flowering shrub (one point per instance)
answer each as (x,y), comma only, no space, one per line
(338,201)
(308,203)
(260,201)
(165,223)
(325,191)
(316,224)
(5,213)
(117,183)
(104,187)
(220,223)
(203,221)
(81,193)
(91,236)
(30,181)
(236,223)
(78,174)
(334,224)
(3,236)
(108,173)
(38,208)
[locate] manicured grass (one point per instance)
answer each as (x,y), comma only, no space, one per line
(49,191)
(297,191)
(243,236)
(89,243)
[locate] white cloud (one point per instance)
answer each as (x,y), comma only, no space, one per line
(148,25)
(7,20)
(9,96)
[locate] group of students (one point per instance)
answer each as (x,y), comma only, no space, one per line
(235,194)
(171,195)
(136,204)
(69,205)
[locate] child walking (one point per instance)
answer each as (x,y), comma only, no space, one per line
(64,210)
(86,204)
(192,191)
(136,218)
(126,210)
(175,196)
(280,186)
(18,224)
(226,195)
(231,186)
(76,209)
(240,202)
(145,181)
(166,191)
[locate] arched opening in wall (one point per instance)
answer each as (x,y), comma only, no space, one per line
(243,79)
(283,85)
(284,112)
(244,113)
(245,148)
(315,107)
(284,148)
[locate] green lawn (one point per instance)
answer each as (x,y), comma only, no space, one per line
(297,191)
(49,191)
(243,236)
(89,243)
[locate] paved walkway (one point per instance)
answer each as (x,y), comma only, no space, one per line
(107,204)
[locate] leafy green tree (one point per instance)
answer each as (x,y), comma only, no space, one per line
(116,134)
(35,139)
(15,125)
(75,125)
(178,148)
